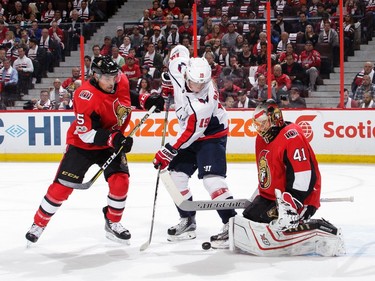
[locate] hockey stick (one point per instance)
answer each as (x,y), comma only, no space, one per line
(204,205)
(338,199)
(88,184)
(145,245)
(187,205)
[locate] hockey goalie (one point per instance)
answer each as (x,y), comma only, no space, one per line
(311,237)
(278,221)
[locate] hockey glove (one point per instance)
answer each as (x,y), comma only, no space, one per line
(166,85)
(146,101)
(117,140)
(288,212)
(164,156)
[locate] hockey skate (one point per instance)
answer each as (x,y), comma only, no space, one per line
(34,233)
(221,240)
(115,231)
(184,230)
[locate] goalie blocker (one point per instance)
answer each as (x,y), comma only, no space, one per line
(317,236)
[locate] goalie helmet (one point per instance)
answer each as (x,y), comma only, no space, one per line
(268,120)
(105,65)
(198,71)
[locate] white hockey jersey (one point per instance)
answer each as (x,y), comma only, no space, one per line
(200,115)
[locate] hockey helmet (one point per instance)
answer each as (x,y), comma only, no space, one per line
(105,65)
(198,71)
(268,119)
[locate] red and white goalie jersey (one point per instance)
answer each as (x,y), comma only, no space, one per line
(200,115)
(96,112)
(288,163)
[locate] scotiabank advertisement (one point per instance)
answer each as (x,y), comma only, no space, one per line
(330,132)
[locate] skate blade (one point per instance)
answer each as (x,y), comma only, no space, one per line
(113,238)
(189,235)
(29,244)
(220,244)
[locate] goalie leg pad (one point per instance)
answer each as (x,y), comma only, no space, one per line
(260,240)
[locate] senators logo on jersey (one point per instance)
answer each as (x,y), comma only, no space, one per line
(264,171)
(121,112)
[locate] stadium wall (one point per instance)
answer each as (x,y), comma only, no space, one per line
(345,136)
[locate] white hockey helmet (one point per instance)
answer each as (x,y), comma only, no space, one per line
(198,71)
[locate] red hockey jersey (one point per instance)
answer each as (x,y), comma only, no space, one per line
(95,110)
(288,163)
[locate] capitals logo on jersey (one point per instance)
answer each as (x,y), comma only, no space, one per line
(264,170)
(121,112)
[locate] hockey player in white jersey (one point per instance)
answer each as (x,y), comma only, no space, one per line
(200,143)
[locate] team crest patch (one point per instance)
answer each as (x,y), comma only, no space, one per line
(121,112)
(264,170)
(291,134)
(85,95)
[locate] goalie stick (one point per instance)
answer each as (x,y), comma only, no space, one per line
(204,205)
(88,184)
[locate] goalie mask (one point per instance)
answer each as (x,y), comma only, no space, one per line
(268,120)
(198,74)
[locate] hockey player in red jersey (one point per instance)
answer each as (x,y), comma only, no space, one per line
(102,109)
(288,194)
(286,162)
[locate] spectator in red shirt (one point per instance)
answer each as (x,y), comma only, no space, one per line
(131,69)
(229,89)
(68,83)
(281,82)
(289,51)
(106,49)
(155,6)
(215,68)
(310,61)
(224,22)
(3,31)
(172,10)
(186,28)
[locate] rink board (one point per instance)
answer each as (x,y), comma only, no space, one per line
(335,135)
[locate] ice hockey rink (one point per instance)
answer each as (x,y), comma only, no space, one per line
(74,247)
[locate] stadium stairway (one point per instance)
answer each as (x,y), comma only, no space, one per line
(328,94)
(131,11)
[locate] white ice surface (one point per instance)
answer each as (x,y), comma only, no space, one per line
(74,247)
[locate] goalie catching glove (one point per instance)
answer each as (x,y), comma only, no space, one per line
(117,140)
(166,85)
(146,101)
(164,156)
(288,212)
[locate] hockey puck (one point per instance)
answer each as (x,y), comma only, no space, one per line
(206,245)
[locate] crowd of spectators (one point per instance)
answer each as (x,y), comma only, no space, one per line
(35,36)
(232,37)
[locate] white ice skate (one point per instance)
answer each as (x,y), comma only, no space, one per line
(34,233)
(184,230)
(221,240)
(115,231)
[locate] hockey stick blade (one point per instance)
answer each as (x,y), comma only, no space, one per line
(204,205)
(338,199)
(187,205)
(88,184)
